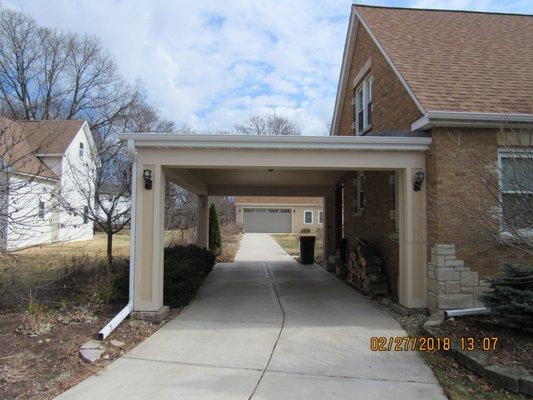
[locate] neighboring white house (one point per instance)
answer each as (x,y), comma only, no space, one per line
(113,198)
(46,174)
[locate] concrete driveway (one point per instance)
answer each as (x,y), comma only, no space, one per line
(266,327)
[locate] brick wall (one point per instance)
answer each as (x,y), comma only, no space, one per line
(375,224)
(462,250)
(459,161)
(392,107)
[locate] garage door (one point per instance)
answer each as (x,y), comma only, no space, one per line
(264,220)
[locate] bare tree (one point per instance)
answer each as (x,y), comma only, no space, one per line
(180,209)
(492,203)
(28,188)
(48,74)
(269,124)
(225,208)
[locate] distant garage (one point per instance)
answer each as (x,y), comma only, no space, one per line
(267,220)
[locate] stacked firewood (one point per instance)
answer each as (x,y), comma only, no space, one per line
(365,270)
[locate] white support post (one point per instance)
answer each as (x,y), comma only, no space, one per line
(202,227)
(413,253)
(149,229)
(329,231)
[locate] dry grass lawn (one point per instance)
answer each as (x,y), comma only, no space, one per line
(291,244)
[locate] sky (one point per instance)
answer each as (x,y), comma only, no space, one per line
(213,64)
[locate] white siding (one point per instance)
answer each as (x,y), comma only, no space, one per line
(27,228)
(76,182)
(64,200)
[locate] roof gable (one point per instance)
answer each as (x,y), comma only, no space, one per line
(456,60)
(50,137)
(16,152)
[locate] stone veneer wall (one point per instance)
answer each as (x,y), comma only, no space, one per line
(451,284)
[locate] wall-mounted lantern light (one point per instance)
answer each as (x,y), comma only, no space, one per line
(418,181)
(147,175)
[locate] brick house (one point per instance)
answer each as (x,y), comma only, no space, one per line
(417,88)
(465,79)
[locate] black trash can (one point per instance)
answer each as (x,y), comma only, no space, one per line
(307,249)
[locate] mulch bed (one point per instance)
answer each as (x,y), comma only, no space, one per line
(514,348)
(36,364)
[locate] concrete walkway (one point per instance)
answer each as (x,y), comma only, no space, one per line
(265,327)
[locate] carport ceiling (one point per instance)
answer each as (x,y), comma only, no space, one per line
(267,177)
(234,181)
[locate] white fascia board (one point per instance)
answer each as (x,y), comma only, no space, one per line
(90,140)
(268,142)
(471,119)
(349,46)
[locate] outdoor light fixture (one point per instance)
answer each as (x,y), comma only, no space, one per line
(147,175)
(419,179)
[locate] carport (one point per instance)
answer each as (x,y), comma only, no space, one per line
(261,166)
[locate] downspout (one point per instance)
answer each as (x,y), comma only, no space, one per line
(111,325)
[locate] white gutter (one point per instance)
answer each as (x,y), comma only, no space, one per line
(111,325)
(338,143)
(471,119)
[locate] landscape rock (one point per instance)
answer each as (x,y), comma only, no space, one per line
(117,343)
(91,351)
(91,355)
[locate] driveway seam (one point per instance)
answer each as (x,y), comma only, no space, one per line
(279,334)
(191,364)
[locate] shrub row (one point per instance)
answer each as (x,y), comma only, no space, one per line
(186,267)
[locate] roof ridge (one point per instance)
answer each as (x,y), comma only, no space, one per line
(442,10)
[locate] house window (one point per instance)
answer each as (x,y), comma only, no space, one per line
(41,209)
(359,198)
(308,217)
(85,214)
(363,105)
(516,188)
(81,149)
(321,217)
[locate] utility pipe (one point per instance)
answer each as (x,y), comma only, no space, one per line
(117,319)
(466,312)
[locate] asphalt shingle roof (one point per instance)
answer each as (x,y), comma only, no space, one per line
(50,137)
(457,60)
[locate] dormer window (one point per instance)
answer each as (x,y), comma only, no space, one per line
(81,149)
(363,106)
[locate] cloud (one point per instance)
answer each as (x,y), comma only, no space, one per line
(213,64)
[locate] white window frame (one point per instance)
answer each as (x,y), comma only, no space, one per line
(365,88)
(320,217)
(511,153)
(81,149)
(359,198)
(310,212)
